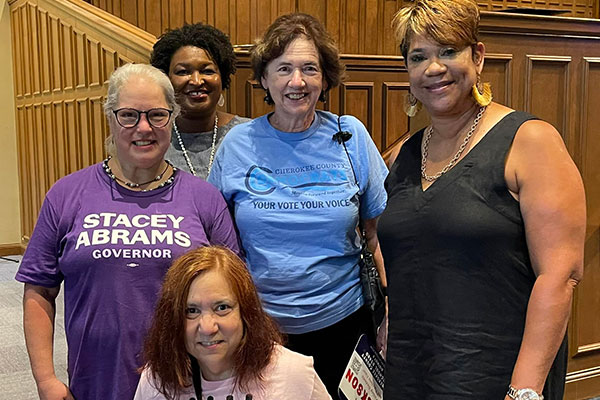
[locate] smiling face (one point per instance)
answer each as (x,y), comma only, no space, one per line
(142,146)
(295,81)
(196,80)
(213,326)
(442,76)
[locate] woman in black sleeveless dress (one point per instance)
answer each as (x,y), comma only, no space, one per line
(483,233)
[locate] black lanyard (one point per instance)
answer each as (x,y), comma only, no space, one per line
(196,378)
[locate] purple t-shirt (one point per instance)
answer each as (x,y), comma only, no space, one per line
(112,247)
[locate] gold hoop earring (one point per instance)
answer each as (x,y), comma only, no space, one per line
(482,92)
(221,101)
(412,105)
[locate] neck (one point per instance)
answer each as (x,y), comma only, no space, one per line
(216,375)
(134,174)
(284,124)
(192,124)
(451,126)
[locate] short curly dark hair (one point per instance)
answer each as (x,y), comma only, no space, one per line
(283,31)
(200,35)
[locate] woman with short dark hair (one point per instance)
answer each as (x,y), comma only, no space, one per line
(199,60)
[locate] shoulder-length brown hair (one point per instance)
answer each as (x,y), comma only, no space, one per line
(164,349)
(283,31)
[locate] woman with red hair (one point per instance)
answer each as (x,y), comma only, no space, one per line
(211,337)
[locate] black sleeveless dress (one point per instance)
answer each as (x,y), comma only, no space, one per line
(459,276)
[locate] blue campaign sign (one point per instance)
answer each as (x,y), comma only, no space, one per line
(364,375)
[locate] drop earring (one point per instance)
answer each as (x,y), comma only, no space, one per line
(268,99)
(221,101)
(482,92)
(412,105)
(323,97)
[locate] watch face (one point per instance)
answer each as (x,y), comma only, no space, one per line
(527,394)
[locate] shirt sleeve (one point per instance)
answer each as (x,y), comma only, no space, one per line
(371,169)
(319,391)
(40,262)
(215,172)
(216,176)
(222,231)
(145,390)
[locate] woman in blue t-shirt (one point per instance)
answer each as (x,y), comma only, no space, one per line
(298,195)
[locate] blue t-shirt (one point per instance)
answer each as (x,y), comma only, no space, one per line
(296,204)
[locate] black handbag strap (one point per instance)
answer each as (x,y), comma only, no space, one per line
(342,137)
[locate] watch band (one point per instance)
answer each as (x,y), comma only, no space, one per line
(516,394)
(512,393)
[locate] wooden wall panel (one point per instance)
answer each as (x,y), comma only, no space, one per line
(547,89)
(585,322)
(573,8)
(498,72)
(44,51)
(356,98)
(360,26)
(54,46)
(61,63)
(395,124)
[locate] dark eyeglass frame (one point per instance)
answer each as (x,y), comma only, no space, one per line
(139,116)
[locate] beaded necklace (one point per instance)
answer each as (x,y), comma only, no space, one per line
(134,185)
(212,148)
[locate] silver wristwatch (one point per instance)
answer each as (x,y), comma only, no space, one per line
(523,394)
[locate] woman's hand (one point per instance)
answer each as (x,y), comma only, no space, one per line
(54,389)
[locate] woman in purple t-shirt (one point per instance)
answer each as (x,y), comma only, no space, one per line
(110,232)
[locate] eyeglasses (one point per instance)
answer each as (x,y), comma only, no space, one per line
(130,117)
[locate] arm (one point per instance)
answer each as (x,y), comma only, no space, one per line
(223,232)
(370,226)
(541,174)
(38,322)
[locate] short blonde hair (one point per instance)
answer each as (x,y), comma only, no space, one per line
(448,22)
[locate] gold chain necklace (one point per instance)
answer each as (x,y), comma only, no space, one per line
(463,146)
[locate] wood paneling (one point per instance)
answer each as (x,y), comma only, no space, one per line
(65,50)
(547,88)
(10,249)
(498,72)
(360,26)
(63,55)
(573,8)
